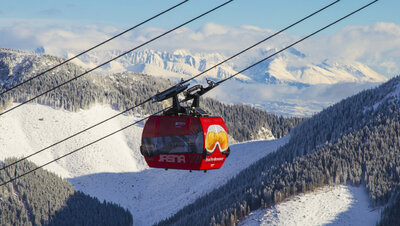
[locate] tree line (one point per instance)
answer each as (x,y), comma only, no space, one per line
(353,142)
(43,198)
(121,91)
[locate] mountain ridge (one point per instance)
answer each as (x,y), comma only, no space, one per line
(283,68)
(352,142)
(121,91)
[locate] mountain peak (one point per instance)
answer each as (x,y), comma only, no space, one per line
(290,67)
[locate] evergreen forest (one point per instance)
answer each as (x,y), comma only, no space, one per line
(354,142)
(43,198)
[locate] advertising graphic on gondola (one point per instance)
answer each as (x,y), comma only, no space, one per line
(216,135)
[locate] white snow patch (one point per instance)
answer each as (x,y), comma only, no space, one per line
(33,127)
(331,205)
(155,194)
(394,94)
(113,169)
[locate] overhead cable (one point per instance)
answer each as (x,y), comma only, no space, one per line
(297,42)
(92,48)
(150,98)
(115,58)
(265,39)
(104,137)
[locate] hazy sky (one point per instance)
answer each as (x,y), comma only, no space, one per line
(125,13)
(371,36)
(65,28)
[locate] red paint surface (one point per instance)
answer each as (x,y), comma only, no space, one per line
(159,126)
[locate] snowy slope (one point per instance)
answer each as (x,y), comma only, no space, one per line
(113,169)
(33,127)
(331,205)
(154,194)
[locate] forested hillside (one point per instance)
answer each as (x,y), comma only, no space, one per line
(43,198)
(121,91)
(353,142)
(391,213)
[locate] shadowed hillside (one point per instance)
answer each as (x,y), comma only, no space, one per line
(353,142)
(43,198)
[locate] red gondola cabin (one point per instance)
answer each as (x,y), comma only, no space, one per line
(185,137)
(184,142)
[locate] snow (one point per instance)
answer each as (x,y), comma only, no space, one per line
(154,194)
(331,205)
(287,67)
(303,86)
(395,94)
(113,169)
(33,127)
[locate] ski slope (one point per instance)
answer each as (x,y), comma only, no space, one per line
(154,194)
(33,127)
(331,205)
(114,170)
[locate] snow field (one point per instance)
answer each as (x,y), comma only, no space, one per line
(155,194)
(33,127)
(330,205)
(113,169)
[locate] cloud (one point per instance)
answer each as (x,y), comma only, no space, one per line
(285,99)
(21,36)
(377,45)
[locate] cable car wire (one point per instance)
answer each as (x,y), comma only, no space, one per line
(297,42)
(76,150)
(185,81)
(115,58)
(267,38)
(223,80)
(92,48)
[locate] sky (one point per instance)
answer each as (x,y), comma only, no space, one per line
(125,13)
(371,36)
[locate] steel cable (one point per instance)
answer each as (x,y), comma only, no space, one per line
(92,48)
(115,58)
(150,98)
(223,80)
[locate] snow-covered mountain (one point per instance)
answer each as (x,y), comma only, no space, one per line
(291,67)
(280,86)
(352,142)
(114,170)
(291,84)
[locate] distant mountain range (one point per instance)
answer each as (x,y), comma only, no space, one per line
(290,84)
(290,67)
(121,91)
